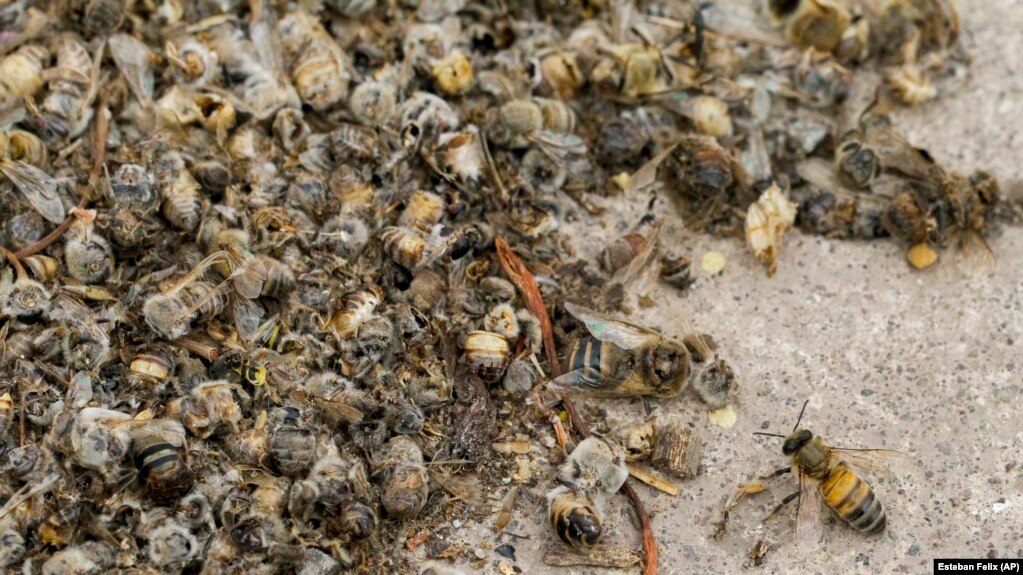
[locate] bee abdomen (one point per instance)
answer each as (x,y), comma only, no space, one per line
(586,355)
(854,501)
(158,458)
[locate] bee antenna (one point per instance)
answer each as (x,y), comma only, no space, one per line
(801,411)
(769,434)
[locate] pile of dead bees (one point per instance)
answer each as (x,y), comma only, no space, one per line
(253,318)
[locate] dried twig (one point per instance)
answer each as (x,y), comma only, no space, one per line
(523,280)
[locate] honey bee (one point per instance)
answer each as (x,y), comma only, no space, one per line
(20,158)
(251,65)
(403,478)
(152,365)
(702,169)
(373,102)
(67,108)
(24,299)
(171,312)
(453,73)
(620,359)
(319,69)
(292,446)
(594,468)
(209,406)
(160,453)
(487,354)
(830,475)
(87,254)
(817,23)
(21,73)
(103,16)
(355,309)
(86,557)
(100,438)
(180,192)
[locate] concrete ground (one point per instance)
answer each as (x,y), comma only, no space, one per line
(924,362)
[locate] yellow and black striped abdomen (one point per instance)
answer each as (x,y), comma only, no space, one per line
(853,500)
(586,356)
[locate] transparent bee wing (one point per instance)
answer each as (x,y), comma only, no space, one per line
(641,262)
(559,147)
(583,381)
(741,22)
(133,59)
(39,188)
(646,175)
(809,527)
(820,173)
(975,255)
(896,153)
(197,272)
(247,315)
(249,283)
(872,461)
(605,328)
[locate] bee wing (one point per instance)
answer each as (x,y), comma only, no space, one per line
(873,461)
(560,147)
(809,527)
(900,155)
(606,328)
(249,283)
(39,188)
(246,314)
(641,261)
(133,58)
(646,175)
(821,173)
(583,381)
(976,257)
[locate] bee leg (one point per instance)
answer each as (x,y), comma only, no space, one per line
(777,473)
(788,499)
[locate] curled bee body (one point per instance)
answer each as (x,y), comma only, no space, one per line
(87,254)
(100,438)
(210,406)
(487,354)
(596,467)
(575,519)
(829,475)
(817,23)
(318,69)
(21,73)
(171,312)
(67,108)
(404,480)
(152,365)
(373,102)
(403,245)
(292,446)
(619,359)
(354,310)
(160,454)
(703,169)
(24,299)
(179,192)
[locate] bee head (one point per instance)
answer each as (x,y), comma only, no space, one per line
(796,440)
(669,363)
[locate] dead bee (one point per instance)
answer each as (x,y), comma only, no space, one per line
(403,477)
(160,454)
(594,468)
(171,312)
(318,69)
(209,406)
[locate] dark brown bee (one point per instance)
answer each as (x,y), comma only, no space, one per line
(160,454)
(292,448)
